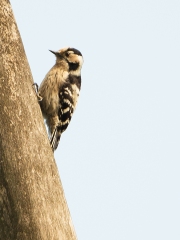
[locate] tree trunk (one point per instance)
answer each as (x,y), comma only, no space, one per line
(32,202)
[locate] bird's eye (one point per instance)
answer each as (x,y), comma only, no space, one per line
(69,53)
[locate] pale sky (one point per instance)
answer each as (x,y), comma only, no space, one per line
(119,159)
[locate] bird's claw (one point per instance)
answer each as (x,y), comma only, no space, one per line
(36,88)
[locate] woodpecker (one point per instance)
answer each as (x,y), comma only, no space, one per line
(59,92)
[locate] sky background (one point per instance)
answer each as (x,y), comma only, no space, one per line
(119,159)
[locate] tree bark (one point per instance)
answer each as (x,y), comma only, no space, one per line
(32,202)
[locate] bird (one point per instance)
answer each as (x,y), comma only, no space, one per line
(59,92)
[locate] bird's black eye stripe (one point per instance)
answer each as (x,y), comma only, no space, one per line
(77,52)
(73,66)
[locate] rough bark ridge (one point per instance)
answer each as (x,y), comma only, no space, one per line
(32,202)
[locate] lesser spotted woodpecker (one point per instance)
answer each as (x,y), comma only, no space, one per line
(59,92)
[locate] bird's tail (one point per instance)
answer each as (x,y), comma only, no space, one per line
(55,138)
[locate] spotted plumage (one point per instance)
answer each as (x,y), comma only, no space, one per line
(60,91)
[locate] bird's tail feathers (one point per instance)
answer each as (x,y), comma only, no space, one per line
(55,138)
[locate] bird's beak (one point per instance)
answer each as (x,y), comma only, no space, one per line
(55,53)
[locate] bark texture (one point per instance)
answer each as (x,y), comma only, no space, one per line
(32,202)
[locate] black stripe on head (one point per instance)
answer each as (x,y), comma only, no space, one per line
(73,66)
(75,51)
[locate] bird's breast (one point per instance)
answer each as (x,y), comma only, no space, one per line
(49,90)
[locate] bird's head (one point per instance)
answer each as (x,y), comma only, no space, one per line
(73,57)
